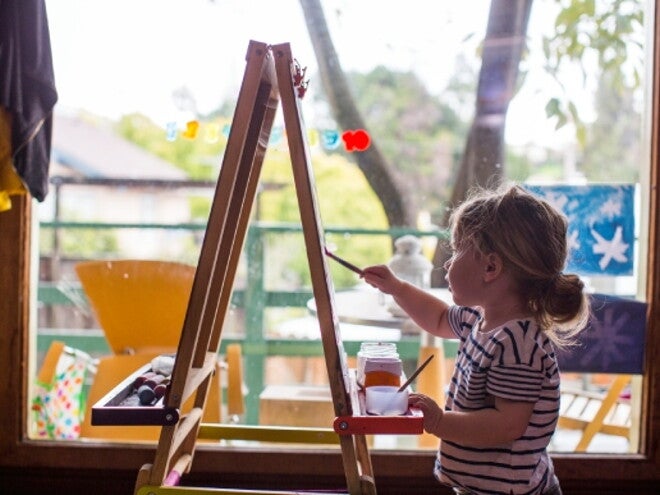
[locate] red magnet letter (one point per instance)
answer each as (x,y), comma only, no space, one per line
(356,140)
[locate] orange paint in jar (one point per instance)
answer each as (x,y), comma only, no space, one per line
(383,371)
(381,378)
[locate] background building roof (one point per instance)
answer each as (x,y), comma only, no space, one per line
(94,150)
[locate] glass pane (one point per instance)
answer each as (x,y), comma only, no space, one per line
(146,97)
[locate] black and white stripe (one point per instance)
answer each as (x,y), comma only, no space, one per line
(515,361)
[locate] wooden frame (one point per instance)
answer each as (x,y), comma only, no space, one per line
(36,466)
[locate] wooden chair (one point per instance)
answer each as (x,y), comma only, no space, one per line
(606,412)
(141,306)
(612,344)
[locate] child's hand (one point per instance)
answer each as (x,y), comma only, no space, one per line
(431,410)
(380,277)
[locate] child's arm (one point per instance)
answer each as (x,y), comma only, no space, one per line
(429,312)
(501,424)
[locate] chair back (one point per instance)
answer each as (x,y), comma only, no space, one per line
(614,340)
(140,304)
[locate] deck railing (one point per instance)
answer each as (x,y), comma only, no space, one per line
(254,299)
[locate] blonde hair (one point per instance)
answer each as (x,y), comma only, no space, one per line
(530,236)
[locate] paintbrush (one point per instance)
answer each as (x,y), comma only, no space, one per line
(343,262)
(415,373)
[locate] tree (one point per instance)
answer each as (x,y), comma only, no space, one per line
(483,159)
(580,27)
(484,156)
(373,164)
(419,134)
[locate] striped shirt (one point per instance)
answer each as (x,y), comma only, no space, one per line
(515,361)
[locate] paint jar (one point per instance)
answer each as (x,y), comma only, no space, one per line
(373,350)
(386,401)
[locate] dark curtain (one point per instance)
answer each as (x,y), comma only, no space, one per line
(27,88)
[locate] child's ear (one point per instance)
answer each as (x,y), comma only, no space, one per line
(492,266)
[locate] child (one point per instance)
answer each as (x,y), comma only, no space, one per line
(512,303)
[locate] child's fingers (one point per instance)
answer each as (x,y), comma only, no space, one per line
(432,413)
(418,400)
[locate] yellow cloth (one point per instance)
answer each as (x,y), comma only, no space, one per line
(10,182)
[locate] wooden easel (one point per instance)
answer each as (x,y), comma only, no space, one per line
(268,79)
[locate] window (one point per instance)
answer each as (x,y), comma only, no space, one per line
(534,150)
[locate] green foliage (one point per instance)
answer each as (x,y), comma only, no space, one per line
(612,150)
(198,157)
(344,196)
(419,134)
(605,40)
(611,35)
(81,243)
(200,207)
(344,200)
(518,167)
(549,170)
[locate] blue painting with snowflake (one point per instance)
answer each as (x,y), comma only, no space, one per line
(601,232)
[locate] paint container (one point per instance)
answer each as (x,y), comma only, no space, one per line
(370,350)
(386,401)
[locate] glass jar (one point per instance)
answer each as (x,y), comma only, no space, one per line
(373,351)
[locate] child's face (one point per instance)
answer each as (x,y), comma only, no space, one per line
(465,275)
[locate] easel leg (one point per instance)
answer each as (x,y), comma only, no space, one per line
(367,480)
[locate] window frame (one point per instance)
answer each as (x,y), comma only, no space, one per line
(102,467)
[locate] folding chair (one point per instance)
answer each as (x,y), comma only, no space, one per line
(612,344)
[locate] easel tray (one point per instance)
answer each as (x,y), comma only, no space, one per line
(121,406)
(363,423)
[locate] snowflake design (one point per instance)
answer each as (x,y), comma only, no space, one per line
(601,226)
(573,240)
(615,249)
(607,341)
(557,200)
(611,208)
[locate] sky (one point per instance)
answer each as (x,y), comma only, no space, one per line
(124,56)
